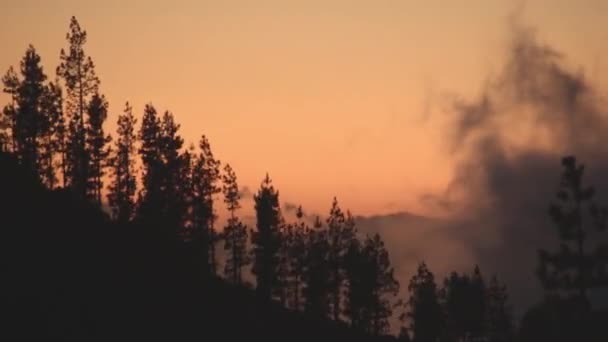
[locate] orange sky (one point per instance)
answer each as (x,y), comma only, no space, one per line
(330,96)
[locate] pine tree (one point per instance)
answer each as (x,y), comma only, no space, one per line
(499,322)
(121,196)
(424,308)
(170,145)
(5,127)
(266,239)
(455,300)
(96,148)
(573,268)
(316,273)
(235,232)
(384,285)
(52,139)
(11,85)
(340,234)
(370,285)
(282,287)
(205,176)
(78,71)
(477,305)
(464,303)
(27,127)
(297,258)
(149,207)
(186,192)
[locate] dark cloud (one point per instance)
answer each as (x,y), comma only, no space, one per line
(290,207)
(510,141)
(245,193)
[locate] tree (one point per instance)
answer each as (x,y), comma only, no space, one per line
(11,85)
(266,239)
(573,267)
(370,284)
(78,72)
(149,208)
(340,233)
(477,305)
(27,114)
(424,308)
(297,258)
(170,145)
(96,148)
(53,134)
(464,304)
(455,300)
(282,287)
(205,176)
(499,322)
(121,196)
(316,272)
(235,232)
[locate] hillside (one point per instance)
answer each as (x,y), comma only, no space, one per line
(72,274)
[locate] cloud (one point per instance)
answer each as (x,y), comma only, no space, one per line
(246,193)
(509,142)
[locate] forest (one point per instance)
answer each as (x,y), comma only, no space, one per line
(149,265)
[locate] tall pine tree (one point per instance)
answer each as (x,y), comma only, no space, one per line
(78,72)
(11,83)
(340,234)
(53,134)
(205,176)
(370,285)
(425,312)
(574,268)
(121,196)
(149,206)
(316,280)
(266,239)
(28,128)
(96,146)
(499,323)
(297,258)
(235,232)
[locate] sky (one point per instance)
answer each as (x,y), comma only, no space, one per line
(332,97)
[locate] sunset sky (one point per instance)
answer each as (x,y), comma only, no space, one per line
(331,97)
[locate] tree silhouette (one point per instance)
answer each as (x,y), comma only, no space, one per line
(424,309)
(11,84)
(149,207)
(297,258)
(53,135)
(235,232)
(316,273)
(78,72)
(121,195)
(205,176)
(266,239)
(498,314)
(170,145)
(26,111)
(573,267)
(340,233)
(371,283)
(96,148)
(455,297)
(464,304)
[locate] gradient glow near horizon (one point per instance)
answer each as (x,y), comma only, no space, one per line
(331,97)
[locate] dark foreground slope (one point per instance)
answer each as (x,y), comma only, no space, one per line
(68,273)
